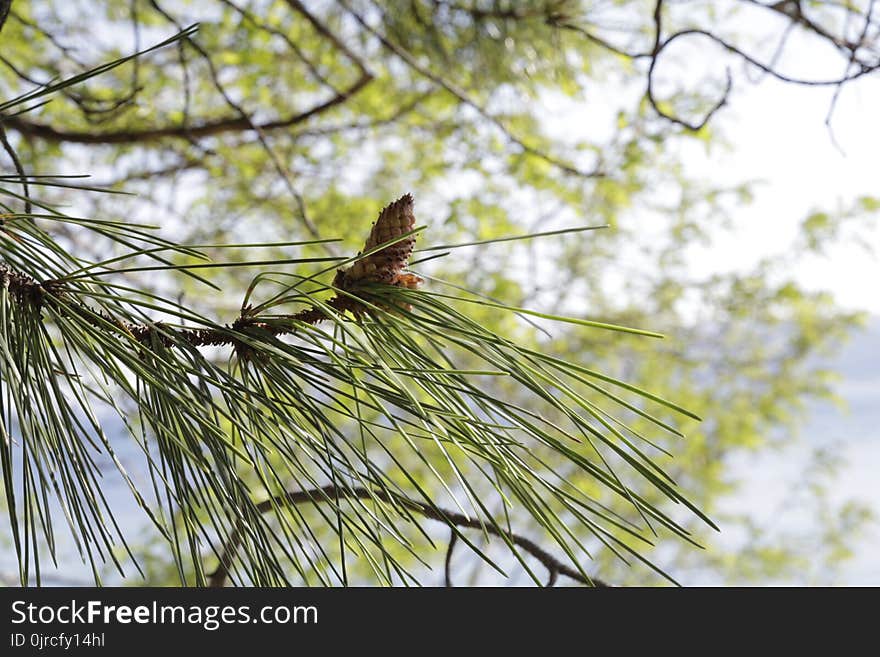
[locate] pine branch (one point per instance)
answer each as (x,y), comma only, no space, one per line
(435,401)
(26,287)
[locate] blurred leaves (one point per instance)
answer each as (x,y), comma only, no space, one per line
(743,348)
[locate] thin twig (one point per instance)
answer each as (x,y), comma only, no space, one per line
(464,98)
(281,169)
(856,67)
(852,60)
(4,12)
(450,518)
(447,564)
(18,167)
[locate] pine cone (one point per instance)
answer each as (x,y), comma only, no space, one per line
(389,264)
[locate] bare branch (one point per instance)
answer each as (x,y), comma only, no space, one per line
(447,565)
(18,167)
(852,60)
(324,31)
(791,9)
(4,12)
(207,129)
(331,493)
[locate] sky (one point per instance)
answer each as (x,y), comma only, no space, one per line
(781,139)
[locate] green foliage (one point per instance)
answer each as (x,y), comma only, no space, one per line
(454,108)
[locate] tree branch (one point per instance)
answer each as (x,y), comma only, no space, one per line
(464,98)
(60,299)
(240,123)
(447,563)
(18,167)
(4,12)
(207,129)
(791,9)
(330,493)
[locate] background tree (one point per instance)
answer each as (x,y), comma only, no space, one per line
(287,121)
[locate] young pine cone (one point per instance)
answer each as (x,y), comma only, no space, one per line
(387,265)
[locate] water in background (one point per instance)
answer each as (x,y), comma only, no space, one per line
(850,434)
